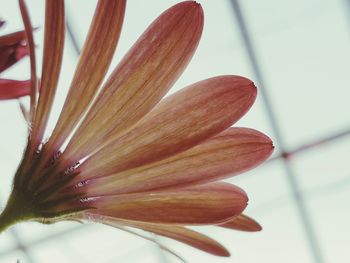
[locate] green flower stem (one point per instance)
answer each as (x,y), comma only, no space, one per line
(17,210)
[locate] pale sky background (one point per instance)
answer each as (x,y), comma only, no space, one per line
(303,50)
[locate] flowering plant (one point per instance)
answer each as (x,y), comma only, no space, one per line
(133,159)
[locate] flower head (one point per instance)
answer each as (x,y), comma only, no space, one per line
(132,158)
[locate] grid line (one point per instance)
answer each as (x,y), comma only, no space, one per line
(289,171)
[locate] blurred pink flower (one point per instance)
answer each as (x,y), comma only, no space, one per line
(12,49)
(132,159)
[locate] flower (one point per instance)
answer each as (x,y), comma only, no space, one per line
(13,48)
(132,158)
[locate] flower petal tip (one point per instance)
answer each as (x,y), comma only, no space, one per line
(242,88)
(252,90)
(269,143)
(254,228)
(249,87)
(225,254)
(261,138)
(193,6)
(191,3)
(222,252)
(242,199)
(242,223)
(198,5)
(266,140)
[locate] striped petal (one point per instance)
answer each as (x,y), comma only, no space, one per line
(13,89)
(94,61)
(229,153)
(242,223)
(179,233)
(207,204)
(31,50)
(142,78)
(52,60)
(178,123)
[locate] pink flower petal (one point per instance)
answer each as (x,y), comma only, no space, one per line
(13,89)
(142,78)
(12,39)
(12,49)
(21,52)
(179,233)
(229,153)
(178,123)
(206,204)
(29,48)
(52,60)
(242,223)
(94,61)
